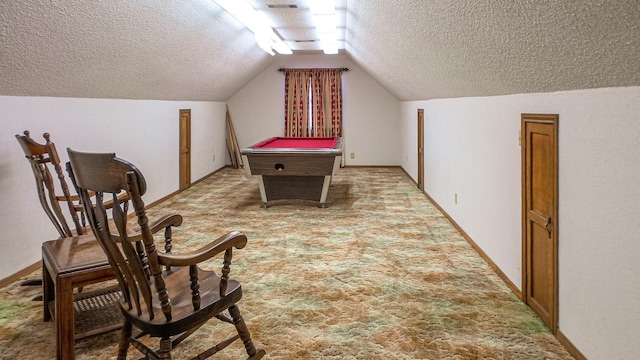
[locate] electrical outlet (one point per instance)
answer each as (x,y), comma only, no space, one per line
(353,155)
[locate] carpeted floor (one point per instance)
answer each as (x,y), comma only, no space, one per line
(378,274)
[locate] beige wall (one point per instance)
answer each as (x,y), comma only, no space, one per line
(370,113)
(144,132)
(471,148)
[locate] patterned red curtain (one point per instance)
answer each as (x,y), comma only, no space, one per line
(327,102)
(324,86)
(296,100)
(317,106)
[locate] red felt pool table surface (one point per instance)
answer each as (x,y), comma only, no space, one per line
(297,143)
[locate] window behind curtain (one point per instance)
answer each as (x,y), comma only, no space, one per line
(313,102)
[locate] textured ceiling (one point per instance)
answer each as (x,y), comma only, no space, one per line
(418,50)
(443,49)
(141,49)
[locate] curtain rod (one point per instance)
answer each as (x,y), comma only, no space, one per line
(283,69)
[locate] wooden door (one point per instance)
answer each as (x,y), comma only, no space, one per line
(185,149)
(540,215)
(421,149)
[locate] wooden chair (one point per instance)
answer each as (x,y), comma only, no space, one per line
(166,304)
(42,157)
(75,259)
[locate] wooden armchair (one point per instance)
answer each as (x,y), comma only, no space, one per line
(42,157)
(167,304)
(74,260)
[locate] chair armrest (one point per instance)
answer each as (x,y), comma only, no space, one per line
(160,224)
(163,223)
(233,239)
(169,220)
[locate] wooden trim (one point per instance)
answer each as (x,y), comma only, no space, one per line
(420,149)
(35,266)
(562,339)
(374,166)
(184,151)
(412,180)
(569,346)
(211,174)
(473,244)
(164,198)
(477,248)
(24,272)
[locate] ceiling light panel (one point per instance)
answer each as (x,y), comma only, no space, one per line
(324,18)
(283,6)
(292,20)
(245,13)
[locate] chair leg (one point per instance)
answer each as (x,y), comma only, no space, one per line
(243,331)
(164,352)
(123,346)
(34,282)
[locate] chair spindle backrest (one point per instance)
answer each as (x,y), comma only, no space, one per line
(108,176)
(41,157)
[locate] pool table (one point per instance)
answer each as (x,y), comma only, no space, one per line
(294,168)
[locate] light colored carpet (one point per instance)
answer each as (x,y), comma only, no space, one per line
(378,274)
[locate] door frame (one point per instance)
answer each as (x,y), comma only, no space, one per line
(549,119)
(421,149)
(184,146)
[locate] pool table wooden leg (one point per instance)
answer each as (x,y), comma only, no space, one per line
(327,181)
(325,191)
(263,192)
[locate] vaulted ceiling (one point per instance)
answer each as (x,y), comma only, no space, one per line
(418,50)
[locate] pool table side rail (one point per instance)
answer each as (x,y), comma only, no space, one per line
(247,151)
(258,149)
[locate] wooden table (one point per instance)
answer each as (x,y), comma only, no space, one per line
(70,263)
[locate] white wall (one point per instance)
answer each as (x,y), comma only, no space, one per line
(471,148)
(370,113)
(144,132)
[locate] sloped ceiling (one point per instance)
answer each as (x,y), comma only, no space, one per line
(133,49)
(418,50)
(443,49)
